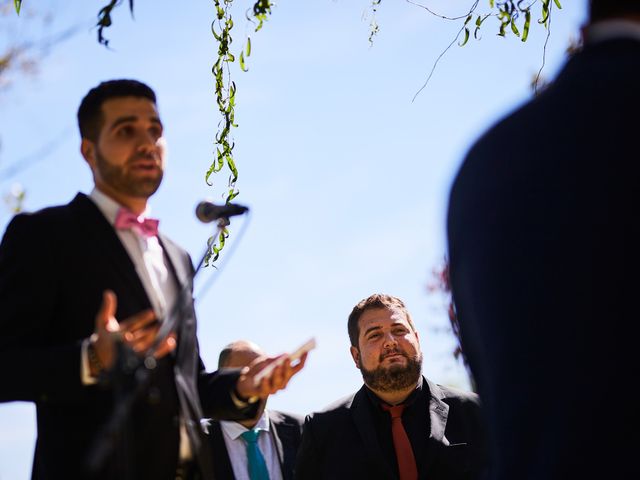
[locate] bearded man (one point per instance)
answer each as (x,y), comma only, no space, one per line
(399,425)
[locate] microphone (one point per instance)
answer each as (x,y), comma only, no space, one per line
(208,212)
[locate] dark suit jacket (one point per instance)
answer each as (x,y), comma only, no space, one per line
(543,245)
(285,430)
(341,442)
(54,266)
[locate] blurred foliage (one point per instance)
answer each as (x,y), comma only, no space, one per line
(19,56)
(14,199)
(24,43)
(374,28)
(440,283)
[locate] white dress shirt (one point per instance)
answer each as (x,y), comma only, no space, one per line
(147,256)
(237,448)
(159,284)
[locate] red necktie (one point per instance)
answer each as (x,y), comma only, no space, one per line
(147,227)
(404,453)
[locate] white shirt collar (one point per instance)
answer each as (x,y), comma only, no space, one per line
(233,430)
(612,29)
(108,206)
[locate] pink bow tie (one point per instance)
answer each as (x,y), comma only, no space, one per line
(147,227)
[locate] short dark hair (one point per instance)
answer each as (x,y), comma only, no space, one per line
(603,9)
(90,111)
(377,300)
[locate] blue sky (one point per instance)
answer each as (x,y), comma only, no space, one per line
(346,177)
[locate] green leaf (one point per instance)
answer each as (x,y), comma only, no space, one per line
(469,17)
(248,47)
(479,21)
(527,24)
(232,167)
(557,2)
(492,3)
(502,31)
(17,4)
(242,65)
(545,13)
(514,28)
(233,193)
(466,37)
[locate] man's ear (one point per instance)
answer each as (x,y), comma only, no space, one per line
(88,150)
(355,354)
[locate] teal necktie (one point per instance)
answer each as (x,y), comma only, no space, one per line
(257,465)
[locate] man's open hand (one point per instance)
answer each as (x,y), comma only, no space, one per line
(138,332)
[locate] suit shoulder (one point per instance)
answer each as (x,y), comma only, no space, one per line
(452,395)
(460,400)
(43,217)
(333,411)
(28,228)
(286,418)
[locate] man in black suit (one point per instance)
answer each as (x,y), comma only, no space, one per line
(82,282)
(278,433)
(543,245)
(437,432)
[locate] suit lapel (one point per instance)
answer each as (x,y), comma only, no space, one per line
(438,413)
(103,239)
(221,463)
(179,268)
(286,438)
(277,441)
(360,410)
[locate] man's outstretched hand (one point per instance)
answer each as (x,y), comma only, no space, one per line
(280,372)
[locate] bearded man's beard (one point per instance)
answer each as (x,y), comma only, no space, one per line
(116,177)
(395,377)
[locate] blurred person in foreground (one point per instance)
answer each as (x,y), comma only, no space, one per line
(543,247)
(399,425)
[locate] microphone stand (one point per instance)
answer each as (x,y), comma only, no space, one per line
(130,377)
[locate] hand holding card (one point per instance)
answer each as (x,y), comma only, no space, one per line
(293,357)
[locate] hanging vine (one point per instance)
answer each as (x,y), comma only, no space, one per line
(514,16)
(225,92)
(224,88)
(374,28)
